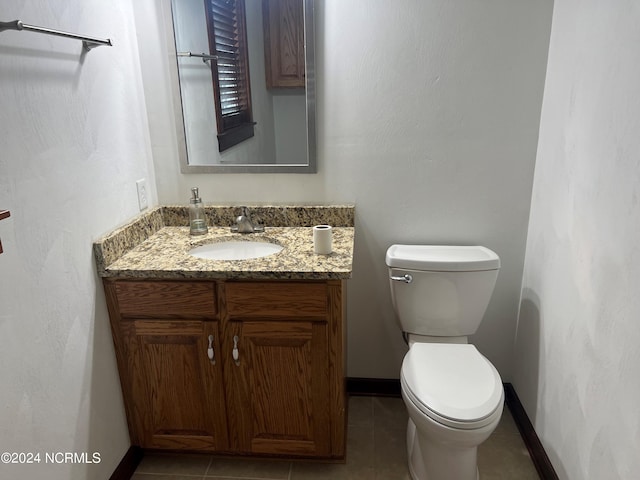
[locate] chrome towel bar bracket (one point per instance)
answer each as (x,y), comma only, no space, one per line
(87,42)
(205,58)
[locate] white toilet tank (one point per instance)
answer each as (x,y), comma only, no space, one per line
(440,290)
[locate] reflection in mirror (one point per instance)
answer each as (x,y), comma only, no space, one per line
(281,80)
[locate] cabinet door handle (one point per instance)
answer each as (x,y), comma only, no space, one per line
(210,353)
(236,353)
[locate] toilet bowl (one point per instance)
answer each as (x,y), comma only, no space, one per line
(453,394)
(454,397)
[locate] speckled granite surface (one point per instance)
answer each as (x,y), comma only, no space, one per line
(270,216)
(156,245)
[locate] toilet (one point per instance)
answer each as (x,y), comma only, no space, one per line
(453,394)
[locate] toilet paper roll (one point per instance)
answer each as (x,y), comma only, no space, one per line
(322,239)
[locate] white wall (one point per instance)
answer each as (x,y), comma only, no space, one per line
(74,140)
(577,355)
(428,116)
(290,125)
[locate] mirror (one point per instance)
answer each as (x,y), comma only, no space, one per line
(284,138)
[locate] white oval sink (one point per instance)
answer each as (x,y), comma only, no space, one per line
(235,250)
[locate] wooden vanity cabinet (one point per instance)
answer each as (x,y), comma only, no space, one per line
(281,394)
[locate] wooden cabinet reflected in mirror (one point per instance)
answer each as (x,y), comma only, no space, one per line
(283,25)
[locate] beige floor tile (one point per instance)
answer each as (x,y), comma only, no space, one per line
(153,476)
(387,473)
(504,455)
(376,450)
(360,411)
(360,446)
(503,458)
(249,468)
(319,471)
(389,413)
(390,437)
(507,425)
(174,464)
(390,451)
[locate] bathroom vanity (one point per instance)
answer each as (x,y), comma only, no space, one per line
(231,356)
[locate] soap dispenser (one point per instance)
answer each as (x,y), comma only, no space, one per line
(197,219)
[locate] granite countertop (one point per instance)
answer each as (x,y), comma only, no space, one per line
(156,245)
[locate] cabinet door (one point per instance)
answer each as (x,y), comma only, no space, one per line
(177,391)
(279,387)
(283,25)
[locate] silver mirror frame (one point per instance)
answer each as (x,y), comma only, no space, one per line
(310,89)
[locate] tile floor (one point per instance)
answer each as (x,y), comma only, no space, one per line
(375,451)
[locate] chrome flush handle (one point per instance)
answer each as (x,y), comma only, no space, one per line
(406,278)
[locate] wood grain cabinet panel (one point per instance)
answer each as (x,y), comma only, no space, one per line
(276,300)
(177,391)
(278,391)
(283,25)
(281,393)
(166,299)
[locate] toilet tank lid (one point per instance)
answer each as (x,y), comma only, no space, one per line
(442,258)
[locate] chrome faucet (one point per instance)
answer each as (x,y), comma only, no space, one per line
(244,224)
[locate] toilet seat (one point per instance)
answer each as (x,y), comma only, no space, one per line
(453,384)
